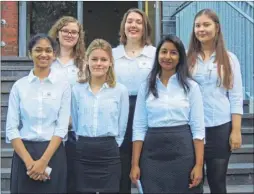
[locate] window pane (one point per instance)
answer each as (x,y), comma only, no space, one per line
(44,14)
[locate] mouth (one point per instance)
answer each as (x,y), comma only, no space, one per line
(133,31)
(43,60)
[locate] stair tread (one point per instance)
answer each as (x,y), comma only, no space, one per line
(11,68)
(10,78)
(230,189)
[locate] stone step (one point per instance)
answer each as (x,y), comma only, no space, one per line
(248,120)
(16,61)
(239,189)
(243,155)
(15,70)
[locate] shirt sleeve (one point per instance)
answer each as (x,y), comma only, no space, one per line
(123,117)
(64,113)
(236,93)
(13,115)
(74,110)
(140,123)
(196,122)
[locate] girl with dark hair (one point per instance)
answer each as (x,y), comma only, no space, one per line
(134,59)
(219,75)
(41,101)
(168,126)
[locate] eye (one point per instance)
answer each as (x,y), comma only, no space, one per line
(164,51)
(197,25)
(49,51)
(206,24)
(174,53)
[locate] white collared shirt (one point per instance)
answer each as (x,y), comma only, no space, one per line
(42,106)
(219,103)
(102,114)
(68,70)
(131,72)
(172,108)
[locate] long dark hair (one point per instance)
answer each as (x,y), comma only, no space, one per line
(182,71)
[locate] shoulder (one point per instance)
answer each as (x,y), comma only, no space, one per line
(118,51)
(192,84)
(232,56)
(120,87)
(20,82)
(149,50)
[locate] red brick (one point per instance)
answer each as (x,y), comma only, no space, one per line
(9,32)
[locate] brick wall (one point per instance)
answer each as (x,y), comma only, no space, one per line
(9,31)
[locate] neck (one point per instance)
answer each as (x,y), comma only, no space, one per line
(165,75)
(41,73)
(97,82)
(133,45)
(207,49)
(66,52)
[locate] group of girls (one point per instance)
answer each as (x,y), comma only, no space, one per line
(95,120)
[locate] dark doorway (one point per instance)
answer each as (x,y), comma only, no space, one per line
(102,19)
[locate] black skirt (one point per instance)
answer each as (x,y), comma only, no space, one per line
(167,160)
(97,165)
(22,183)
(217,141)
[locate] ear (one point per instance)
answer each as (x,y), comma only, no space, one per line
(29,55)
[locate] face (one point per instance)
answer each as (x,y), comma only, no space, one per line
(68,35)
(42,54)
(205,29)
(99,63)
(168,57)
(134,26)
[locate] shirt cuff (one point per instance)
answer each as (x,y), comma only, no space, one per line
(139,137)
(11,136)
(236,110)
(199,136)
(61,133)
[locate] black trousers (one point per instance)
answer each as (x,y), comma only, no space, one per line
(217,154)
(126,150)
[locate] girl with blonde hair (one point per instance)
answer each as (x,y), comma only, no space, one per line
(99,115)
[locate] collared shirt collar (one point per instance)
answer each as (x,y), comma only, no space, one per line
(120,52)
(51,76)
(87,86)
(173,77)
(69,63)
(212,56)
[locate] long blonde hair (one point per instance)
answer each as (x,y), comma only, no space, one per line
(84,72)
(79,48)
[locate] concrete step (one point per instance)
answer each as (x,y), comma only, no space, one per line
(243,155)
(15,70)
(248,120)
(16,61)
(239,189)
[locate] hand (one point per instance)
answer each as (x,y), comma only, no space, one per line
(135,174)
(235,140)
(196,176)
(29,164)
(38,170)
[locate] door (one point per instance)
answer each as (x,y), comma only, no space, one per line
(102,19)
